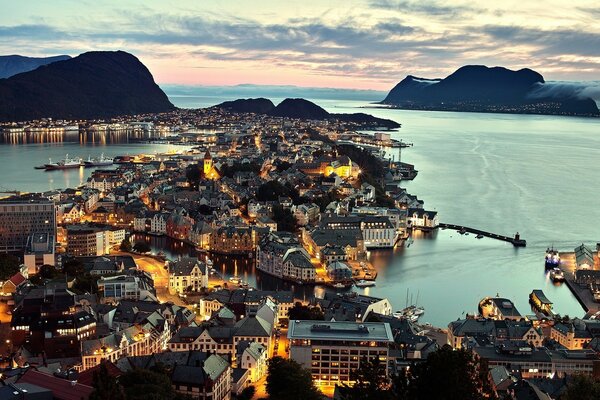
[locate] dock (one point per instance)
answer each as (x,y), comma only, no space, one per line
(581,292)
(516,240)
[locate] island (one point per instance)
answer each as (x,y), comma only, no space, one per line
(477,88)
(305,109)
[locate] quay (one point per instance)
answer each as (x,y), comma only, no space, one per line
(581,292)
(516,240)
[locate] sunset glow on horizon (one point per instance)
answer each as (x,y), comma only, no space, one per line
(362,44)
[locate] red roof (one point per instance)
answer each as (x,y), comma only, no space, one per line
(87,377)
(17,279)
(62,389)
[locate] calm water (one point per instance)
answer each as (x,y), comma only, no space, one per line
(501,173)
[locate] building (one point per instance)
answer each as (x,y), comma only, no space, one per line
(377,231)
(92,239)
(253,357)
(19,219)
(584,258)
(417,218)
(39,251)
(233,240)
(50,320)
(281,255)
(187,274)
(352,306)
(331,350)
(576,334)
(350,240)
(137,285)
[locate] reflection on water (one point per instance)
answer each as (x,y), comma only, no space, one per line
(102,135)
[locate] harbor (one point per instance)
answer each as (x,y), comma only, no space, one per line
(581,291)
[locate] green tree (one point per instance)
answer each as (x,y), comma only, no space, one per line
(194,174)
(9,265)
(247,394)
(271,190)
(582,387)
(287,380)
(302,312)
(73,267)
(371,382)
(105,386)
(125,245)
(47,272)
(141,247)
(447,374)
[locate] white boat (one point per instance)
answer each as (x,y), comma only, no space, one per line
(557,275)
(363,283)
(67,163)
(97,162)
(339,285)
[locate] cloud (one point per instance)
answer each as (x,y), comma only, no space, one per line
(558,89)
(427,7)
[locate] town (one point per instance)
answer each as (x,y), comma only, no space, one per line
(84,295)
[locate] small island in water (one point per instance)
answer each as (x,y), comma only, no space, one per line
(477,88)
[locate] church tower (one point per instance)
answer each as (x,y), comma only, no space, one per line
(208,163)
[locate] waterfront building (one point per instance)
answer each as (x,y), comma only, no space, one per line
(418,218)
(281,255)
(39,251)
(187,273)
(19,219)
(233,240)
(331,350)
(470,332)
(584,258)
(541,362)
(339,271)
(351,240)
(377,231)
(352,306)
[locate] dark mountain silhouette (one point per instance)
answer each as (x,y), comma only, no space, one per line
(256,106)
(91,85)
(479,88)
(303,109)
(299,108)
(15,64)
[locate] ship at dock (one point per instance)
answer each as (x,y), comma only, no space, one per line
(67,163)
(98,162)
(552,259)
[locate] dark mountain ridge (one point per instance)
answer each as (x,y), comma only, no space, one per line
(15,64)
(92,85)
(303,109)
(479,88)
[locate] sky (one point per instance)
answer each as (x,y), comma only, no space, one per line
(362,44)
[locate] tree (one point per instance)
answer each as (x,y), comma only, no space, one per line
(582,387)
(9,265)
(125,245)
(247,394)
(272,190)
(141,247)
(285,219)
(302,312)
(194,174)
(287,380)
(144,384)
(73,267)
(105,386)
(447,374)
(371,382)
(47,272)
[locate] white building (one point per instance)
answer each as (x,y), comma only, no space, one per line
(187,273)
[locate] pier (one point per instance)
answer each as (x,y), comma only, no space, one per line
(581,292)
(516,240)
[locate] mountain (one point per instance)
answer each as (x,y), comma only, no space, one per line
(256,106)
(484,89)
(303,109)
(299,108)
(14,64)
(92,85)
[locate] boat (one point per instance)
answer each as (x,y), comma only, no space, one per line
(235,280)
(67,163)
(411,313)
(339,285)
(98,162)
(364,283)
(552,259)
(39,167)
(480,236)
(557,275)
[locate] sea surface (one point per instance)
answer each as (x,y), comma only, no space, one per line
(537,175)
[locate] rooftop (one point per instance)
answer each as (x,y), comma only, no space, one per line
(340,330)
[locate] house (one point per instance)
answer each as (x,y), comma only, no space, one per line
(418,218)
(281,255)
(13,284)
(253,357)
(135,285)
(339,271)
(187,273)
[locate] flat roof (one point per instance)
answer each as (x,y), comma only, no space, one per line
(340,330)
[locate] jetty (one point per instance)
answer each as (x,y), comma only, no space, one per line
(516,240)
